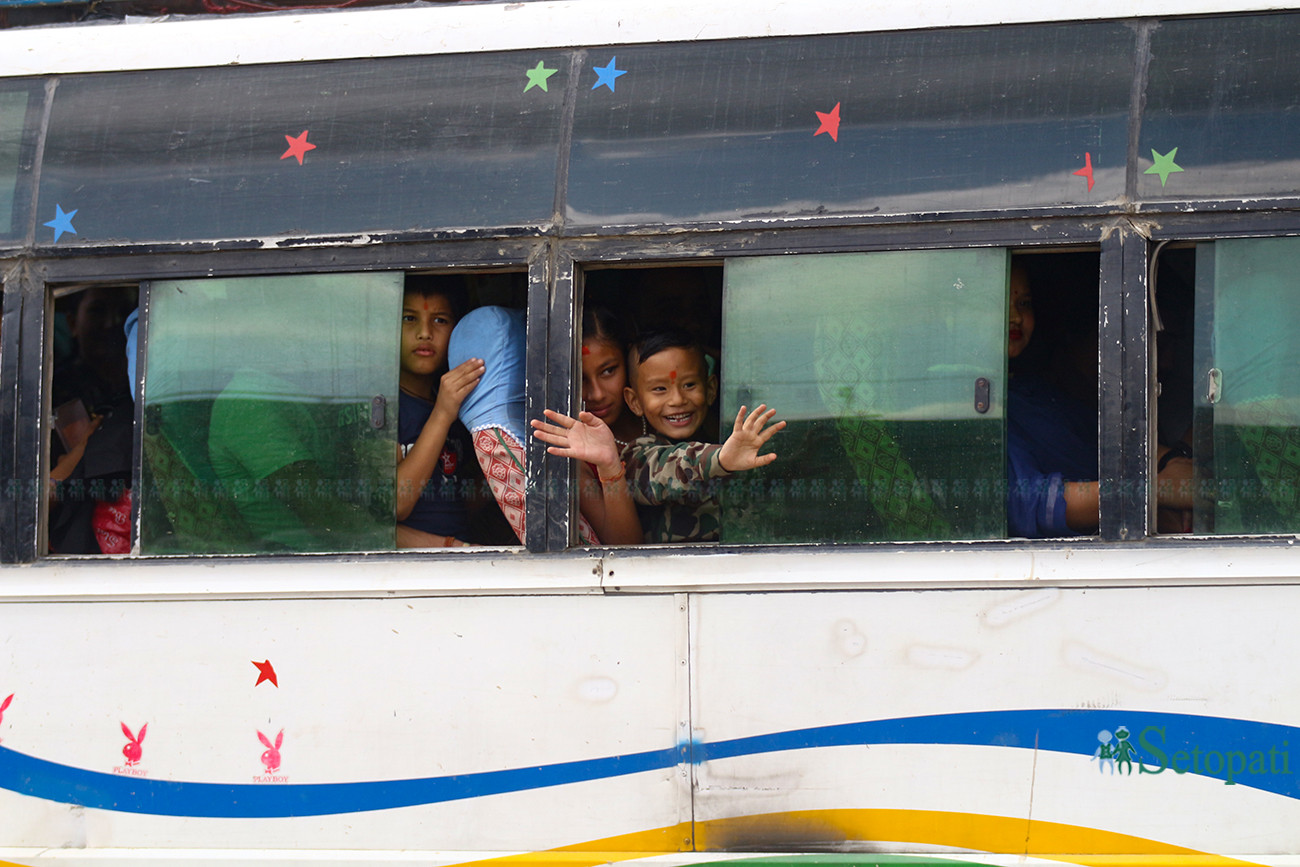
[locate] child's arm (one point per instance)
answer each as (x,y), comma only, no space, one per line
(607,505)
(414,470)
(740,451)
(680,473)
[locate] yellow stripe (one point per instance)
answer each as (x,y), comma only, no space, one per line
(813,830)
(972,831)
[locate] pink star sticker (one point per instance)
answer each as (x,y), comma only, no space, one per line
(830,123)
(266,672)
(298,145)
(1086,171)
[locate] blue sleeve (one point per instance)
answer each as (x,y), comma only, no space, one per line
(1035,500)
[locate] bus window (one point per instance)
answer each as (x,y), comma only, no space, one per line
(93,413)
(1246,387)
(892,369)
(266,422)
(889,369)
(272,416)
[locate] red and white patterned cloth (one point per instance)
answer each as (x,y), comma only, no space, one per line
(502,460)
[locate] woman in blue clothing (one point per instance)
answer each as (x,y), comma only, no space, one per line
(1052,487)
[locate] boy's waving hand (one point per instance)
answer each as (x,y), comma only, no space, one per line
(740,451)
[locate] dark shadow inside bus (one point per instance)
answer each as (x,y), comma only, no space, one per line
(92,421)
(1175,342)
(1053,486)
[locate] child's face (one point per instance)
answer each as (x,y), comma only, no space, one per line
(427,321)
(1021,326)
(604,376)
(672,392)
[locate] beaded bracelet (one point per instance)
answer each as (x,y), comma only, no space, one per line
(622,472)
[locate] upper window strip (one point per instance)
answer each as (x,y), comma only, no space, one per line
(405,144)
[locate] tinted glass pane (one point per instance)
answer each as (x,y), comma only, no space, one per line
(258,414)
(1248,386)
(928,121)
(874,359)
(13,110)
(396,144)
(1226,93)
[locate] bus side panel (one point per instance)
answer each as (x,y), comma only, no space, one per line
(478,724)
(1040,721)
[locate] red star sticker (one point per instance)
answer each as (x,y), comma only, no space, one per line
(830,123)
(298,145)
(266,672)
(1086,171)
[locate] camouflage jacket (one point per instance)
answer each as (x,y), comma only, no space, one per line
(675,488)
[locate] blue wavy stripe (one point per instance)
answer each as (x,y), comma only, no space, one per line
(1064,731)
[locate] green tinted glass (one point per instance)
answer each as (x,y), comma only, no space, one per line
(1247,421)
(878,361)
(13,109)
(270,414)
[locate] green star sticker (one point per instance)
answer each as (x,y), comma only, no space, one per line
(537,76)
(1164,165)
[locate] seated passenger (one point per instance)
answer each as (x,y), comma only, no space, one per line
(433,444)
(1052,487)
(602,430)
(669,386)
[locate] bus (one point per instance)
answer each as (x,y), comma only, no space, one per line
(207,218)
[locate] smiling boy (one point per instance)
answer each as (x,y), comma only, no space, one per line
(670,387)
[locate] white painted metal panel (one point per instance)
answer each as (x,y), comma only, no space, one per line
(368,690)
(955,688)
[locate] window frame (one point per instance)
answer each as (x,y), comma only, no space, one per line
(26,362)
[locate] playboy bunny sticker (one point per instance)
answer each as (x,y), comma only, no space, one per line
(271,759)
(132,751)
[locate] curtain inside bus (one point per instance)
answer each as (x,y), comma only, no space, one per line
(890,368)
(1247,386)
(270,414)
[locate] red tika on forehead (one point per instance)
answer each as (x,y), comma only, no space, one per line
(586,350)
(672,376)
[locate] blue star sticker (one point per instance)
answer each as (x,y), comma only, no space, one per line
(62,222)
(607,75)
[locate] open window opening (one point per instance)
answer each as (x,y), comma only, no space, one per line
(91,420)
(1053,479)
(651,361)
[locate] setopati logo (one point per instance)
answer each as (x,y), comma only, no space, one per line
(1154,753)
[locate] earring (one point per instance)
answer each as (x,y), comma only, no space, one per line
(644,432)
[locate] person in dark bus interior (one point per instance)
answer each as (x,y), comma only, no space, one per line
(1052,487)
(91,449)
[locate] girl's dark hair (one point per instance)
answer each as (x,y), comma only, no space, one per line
(602,323)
